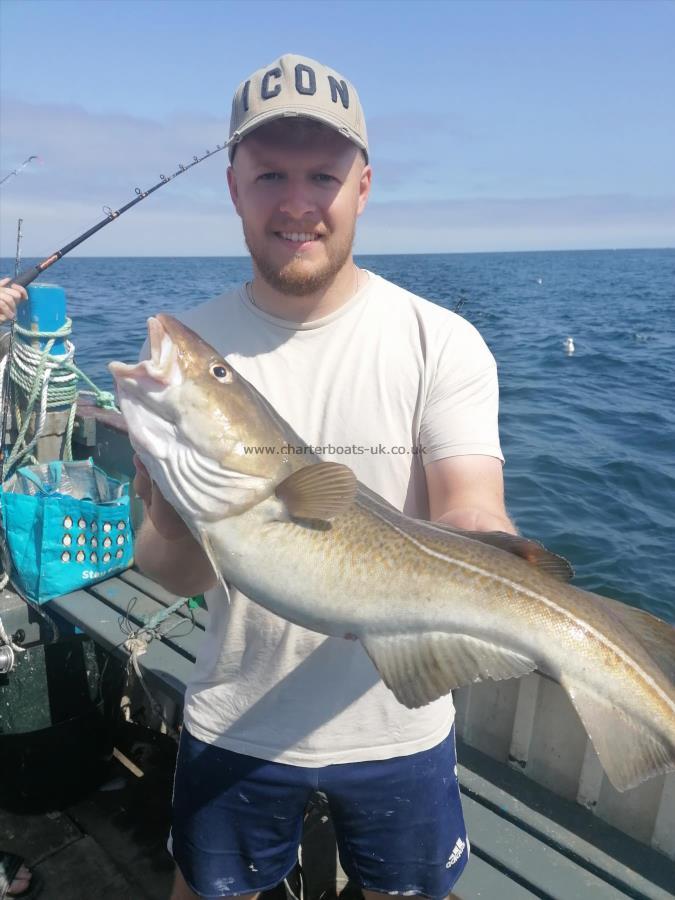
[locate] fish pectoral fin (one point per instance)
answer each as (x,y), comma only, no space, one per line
(419,668)
(321,490)
(630,751)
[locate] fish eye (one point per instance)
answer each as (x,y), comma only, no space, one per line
(219,372)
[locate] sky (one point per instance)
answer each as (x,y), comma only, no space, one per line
(507,125)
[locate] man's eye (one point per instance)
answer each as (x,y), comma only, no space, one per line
(270,176)
(324,177)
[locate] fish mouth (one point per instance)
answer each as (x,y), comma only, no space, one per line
(160,370)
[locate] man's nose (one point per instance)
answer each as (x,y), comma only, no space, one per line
(298,199)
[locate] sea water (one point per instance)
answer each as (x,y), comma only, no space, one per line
(588,436)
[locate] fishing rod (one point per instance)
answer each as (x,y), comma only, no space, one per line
(25,277)
(19,169)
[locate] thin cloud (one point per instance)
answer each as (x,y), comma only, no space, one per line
(91,160)
(613,209)
(497,224)
(86,155)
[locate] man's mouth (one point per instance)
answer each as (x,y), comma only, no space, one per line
(299,237)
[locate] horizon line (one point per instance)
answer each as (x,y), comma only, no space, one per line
(407,253)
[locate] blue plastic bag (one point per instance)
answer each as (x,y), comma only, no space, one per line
(66,525)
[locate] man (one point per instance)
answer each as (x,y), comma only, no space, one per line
(350,361)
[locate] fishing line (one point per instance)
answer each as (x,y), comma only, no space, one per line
(25,277)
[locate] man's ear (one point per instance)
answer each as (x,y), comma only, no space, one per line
(365,182)
(232,185)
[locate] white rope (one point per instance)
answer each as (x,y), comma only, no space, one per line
(28,358)
(56,387)
(42,414)
(137,646)
(59,376)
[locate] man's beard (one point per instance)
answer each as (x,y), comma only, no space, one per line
(293,278)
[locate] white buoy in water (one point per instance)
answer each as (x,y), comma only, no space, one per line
(568,344)
(540,280)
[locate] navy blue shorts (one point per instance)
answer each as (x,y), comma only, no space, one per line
(237,820)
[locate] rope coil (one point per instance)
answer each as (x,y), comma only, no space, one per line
(46,382)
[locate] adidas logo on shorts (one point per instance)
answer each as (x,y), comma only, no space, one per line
(456,853)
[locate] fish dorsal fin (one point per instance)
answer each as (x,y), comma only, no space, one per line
(419,668)
(531,551)
(655,635)
(319,491)
(630,751)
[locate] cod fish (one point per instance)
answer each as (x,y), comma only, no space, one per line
(435,608)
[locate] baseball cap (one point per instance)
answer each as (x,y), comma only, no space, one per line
(297,86)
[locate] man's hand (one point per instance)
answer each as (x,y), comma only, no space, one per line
(10,297)
(165,548)
(477,520)
(163,516)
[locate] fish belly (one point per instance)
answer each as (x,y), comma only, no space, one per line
(337,588)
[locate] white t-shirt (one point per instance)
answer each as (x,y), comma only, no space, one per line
(385,384)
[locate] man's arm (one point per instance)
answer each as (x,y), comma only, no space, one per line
(165,549)
(467,492)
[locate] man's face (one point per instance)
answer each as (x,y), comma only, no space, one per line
(299,188)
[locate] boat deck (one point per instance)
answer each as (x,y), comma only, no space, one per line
(109,845)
